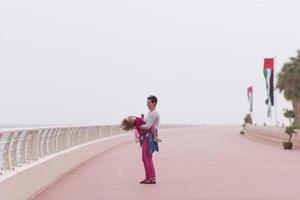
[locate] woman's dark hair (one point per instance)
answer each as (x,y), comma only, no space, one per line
(153,99)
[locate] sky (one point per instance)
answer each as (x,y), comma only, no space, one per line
(95,62)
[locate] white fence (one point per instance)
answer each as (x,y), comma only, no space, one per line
(21,146)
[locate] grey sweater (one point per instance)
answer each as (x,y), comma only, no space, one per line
(152,118)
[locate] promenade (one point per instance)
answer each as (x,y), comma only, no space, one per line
(207,163)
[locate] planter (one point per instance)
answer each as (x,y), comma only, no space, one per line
(287,145)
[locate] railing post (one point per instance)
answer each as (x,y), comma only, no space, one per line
(35,145)
(68,142)
(31,145)
(13,149)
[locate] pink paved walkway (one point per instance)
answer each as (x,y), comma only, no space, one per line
(199,164)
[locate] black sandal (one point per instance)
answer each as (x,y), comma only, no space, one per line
(150,181)
(143,181)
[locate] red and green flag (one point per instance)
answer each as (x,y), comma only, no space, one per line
(250,97)
(269,76)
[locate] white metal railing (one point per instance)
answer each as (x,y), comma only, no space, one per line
(19,147)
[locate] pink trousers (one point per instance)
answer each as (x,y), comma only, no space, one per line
(147,160)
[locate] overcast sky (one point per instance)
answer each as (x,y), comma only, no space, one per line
(88,61)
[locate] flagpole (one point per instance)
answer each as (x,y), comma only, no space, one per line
(252,104)
(275,90)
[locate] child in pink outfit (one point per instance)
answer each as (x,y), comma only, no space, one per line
(138,132)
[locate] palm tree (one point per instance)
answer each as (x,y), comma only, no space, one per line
(289,83)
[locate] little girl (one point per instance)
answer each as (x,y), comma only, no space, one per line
(133,122)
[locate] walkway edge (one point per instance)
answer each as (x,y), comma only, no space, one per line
(28,182)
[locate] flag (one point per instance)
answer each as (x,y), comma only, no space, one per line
(269,76)
(250,97)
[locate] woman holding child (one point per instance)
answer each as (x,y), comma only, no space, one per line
(147,133)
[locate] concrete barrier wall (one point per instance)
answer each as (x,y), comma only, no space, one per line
(271,134)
